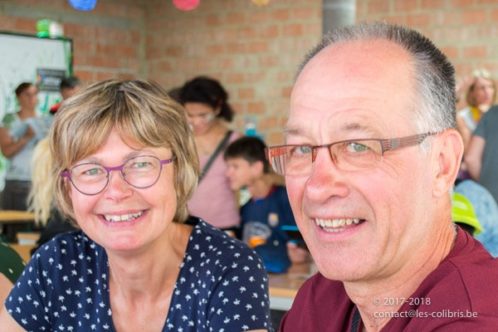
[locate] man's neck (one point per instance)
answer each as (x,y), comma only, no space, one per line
(387,295)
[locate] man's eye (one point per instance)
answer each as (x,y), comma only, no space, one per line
(301,150)
(356,147)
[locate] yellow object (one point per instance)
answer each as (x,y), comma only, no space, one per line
(255,241)
(476,114)
(260,2)
(462,211)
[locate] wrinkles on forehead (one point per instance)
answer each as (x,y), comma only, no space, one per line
(364,87)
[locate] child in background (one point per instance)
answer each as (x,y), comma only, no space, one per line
(268,209)
(68,87)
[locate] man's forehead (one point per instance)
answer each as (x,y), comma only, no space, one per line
(355,83)
(359,58)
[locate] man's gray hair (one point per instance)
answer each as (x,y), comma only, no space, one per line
(434,74)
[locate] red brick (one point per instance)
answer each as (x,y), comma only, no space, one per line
(239,108)
(235,18)
(450,51)
(257,47)
(293,30)
(235,78)
(305,14)
(215,49)
(25,25)
(473,17)
(246,93)
(405,5)
(433,4)
(449,18)
(213,20)
(267,123)
(269,61)
(269,32)
(475,52)
(378,6)
(280,14)
(235,47)
(256,108)
(227,63)
(286,92)
(84,75)
(100,76)
(275,138)
(248,32)
(421,20)
(462,4)
(262,16)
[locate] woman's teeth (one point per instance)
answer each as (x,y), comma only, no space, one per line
(122,217)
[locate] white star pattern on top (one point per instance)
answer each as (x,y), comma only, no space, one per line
(222,286)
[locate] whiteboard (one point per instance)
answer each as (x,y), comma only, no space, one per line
(23,58)
(27,58)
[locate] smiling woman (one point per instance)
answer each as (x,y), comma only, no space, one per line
(124,168)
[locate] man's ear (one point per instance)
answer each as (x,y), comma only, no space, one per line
(448,148)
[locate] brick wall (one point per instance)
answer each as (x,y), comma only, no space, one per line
(108,41)
(254,51)
(466,30)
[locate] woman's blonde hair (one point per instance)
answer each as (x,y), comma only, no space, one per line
(142,112)
(476,74)
(41,195)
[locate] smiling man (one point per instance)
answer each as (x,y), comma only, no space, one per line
(370,158)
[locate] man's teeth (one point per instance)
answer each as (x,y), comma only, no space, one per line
(122,217)
(335,225)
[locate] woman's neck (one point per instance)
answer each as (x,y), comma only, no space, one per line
(161,260)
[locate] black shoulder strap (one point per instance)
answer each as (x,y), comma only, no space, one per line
(215,153)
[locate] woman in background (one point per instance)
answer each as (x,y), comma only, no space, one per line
(41,196)
(480,96)
(208,112)
(124,166)
(19,133)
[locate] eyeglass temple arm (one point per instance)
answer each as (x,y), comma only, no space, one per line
(396,143)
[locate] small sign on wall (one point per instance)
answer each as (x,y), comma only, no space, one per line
(49,80)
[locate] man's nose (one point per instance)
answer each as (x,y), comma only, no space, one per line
(325,179)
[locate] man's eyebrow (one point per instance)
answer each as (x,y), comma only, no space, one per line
(354,126)
(289,130)
(347,127)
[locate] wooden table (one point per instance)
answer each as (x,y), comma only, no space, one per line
(13,216)
(284,287)
(11,221)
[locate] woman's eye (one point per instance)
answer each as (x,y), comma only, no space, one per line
(140,165)
(92,171)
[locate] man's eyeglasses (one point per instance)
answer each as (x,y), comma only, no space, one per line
(347,155)
(92,178)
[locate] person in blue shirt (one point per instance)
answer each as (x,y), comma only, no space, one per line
(267,211)
(486,212)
